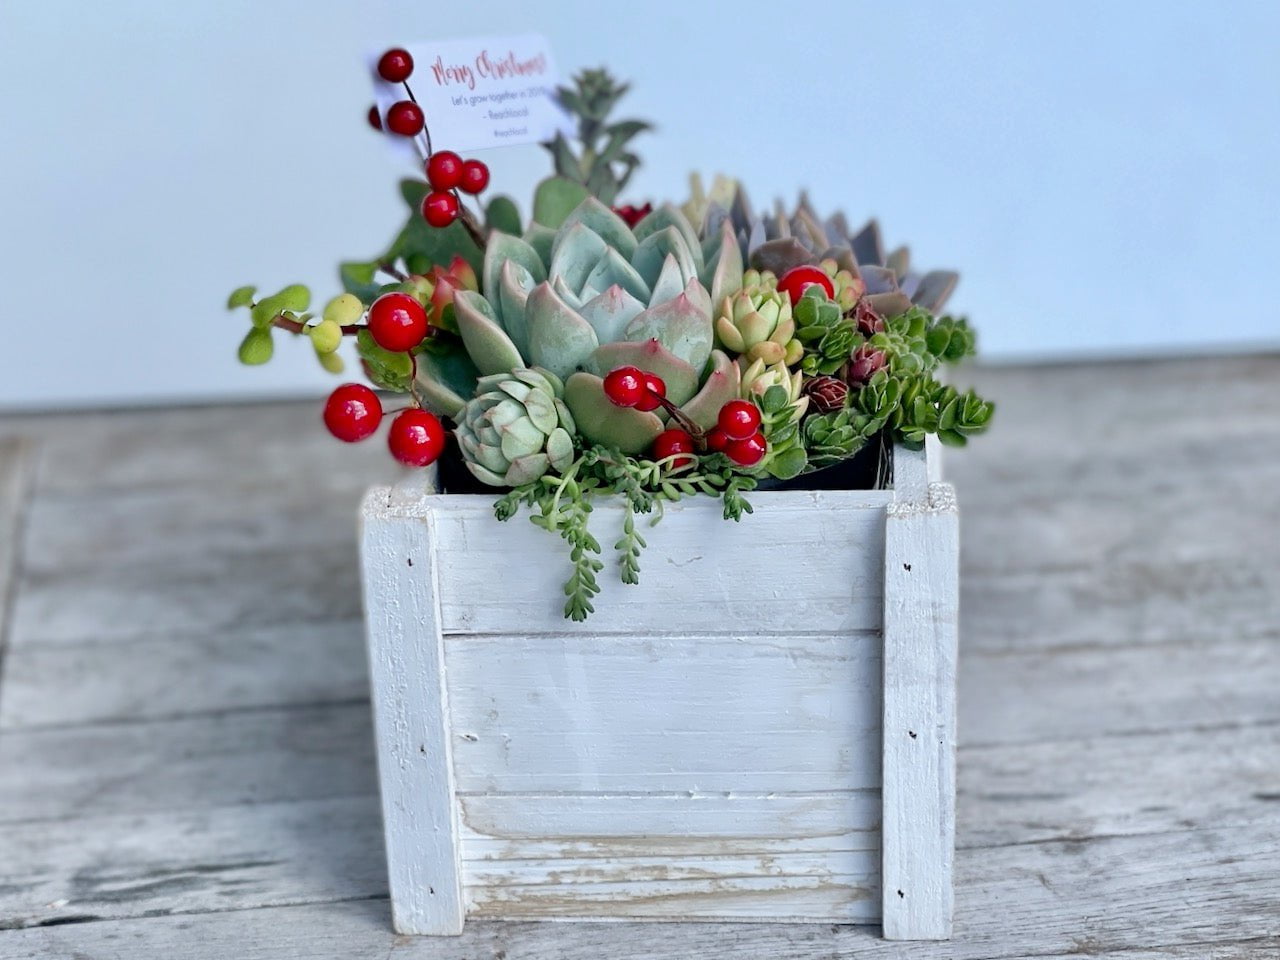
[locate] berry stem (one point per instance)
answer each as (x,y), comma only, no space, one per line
(472,225)
(297,326)
(687,425)
(426,127)
(391,270)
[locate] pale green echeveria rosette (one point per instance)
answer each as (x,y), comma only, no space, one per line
(756,323)
(601,297)
(516,428)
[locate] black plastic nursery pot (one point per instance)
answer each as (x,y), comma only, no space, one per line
(868,469)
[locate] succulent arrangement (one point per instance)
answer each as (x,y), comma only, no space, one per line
(647,353)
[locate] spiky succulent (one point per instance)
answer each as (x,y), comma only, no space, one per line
(516,428)
(606,162)
(603,297)
(778,242)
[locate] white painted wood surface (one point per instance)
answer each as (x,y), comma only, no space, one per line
(411,721)
(745,674)
(921,619)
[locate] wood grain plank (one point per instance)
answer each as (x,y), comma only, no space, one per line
(207,761)
(1078,788)
(177,675)
(1071,693)
(223,449)
(1118,895)
(218,858)
(206,593)
(358,931)
(789,544)
(523,826)
(625,713)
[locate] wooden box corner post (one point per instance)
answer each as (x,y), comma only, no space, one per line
(921,612)
(411,719)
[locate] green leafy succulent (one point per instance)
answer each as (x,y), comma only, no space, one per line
(606,162)
(827,333)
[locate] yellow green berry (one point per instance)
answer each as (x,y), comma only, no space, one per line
(344,309)
(326,336)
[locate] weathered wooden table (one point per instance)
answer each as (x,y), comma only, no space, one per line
(186,765)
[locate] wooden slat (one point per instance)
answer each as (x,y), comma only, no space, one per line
(517,826)
(624,713)
(219,858)
(259,756)
(1071,693)
(205,593)
(1159,782)
(786,549)
(175,675)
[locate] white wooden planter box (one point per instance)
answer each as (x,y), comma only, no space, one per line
(763,729)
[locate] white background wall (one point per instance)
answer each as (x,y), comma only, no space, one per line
(1104,174)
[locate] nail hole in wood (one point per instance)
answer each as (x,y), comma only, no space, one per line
(431,890)
(911,734)
(905,566)
(423,748)
(411,561)
(901,895)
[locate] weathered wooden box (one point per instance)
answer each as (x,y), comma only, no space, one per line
(762,730)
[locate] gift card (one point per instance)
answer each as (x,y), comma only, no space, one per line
(481,92)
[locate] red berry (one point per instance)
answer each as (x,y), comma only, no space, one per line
(352,412)
(739,419)
(416,438)
(444,170)
(625,386)
(375,118)
(748,452)
(439,208)
(716,440)
(405,118)
(673,441)
(796,280)
(395,66)
(397,322)
(654,392)
(475,176)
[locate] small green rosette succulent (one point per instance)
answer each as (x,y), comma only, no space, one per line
(757,324)
(516,428)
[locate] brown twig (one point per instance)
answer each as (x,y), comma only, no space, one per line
(297,326)
(472,225)
(682,418)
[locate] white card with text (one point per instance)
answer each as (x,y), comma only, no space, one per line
(482,92)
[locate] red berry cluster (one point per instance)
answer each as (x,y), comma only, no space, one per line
(632,387)
(736,434)
(447,173)
(353,412)
(397,322)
